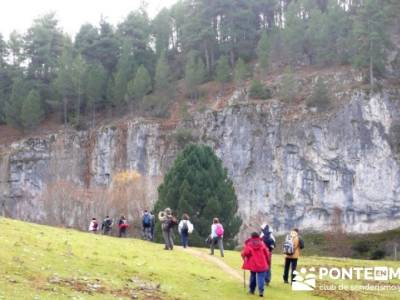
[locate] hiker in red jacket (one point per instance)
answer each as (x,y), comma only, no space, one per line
(256,259)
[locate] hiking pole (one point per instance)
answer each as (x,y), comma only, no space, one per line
(244,279)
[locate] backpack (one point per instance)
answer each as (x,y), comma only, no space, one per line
(146,220)
(288,246)
(124,224)
(108,223)
(268,240)
(185,228)
(219,230)
(301,243)
(95,225)
(172,221)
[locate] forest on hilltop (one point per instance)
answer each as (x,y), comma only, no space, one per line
(136,64)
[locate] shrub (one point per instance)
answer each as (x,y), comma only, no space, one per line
(361,247)
(320,97)
(378,254)
(156,105)
(259,91)
(184,136)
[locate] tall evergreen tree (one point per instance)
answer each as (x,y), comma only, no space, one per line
(320,97)
(5,81)
(140,85)
(32,112)
(106,48)
(294,33)
(162,77)
(162,30)
(79,67)
(194,74)
(241,73)
(263,53)
(198,184)
(85,41)
(65,79)
(96,79)
(123,75)
(15,46)
(288,88)
(43,47)
(223,72)
(14,104)
(371,37)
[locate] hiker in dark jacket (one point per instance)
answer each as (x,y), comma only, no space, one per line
(146,225)
(256,259)
(106,226)
(153,224)
(123,226)
(269,241)
(167,222)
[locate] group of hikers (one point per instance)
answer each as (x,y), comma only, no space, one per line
(148,223)
(107,224)
(257,257)
(256,253)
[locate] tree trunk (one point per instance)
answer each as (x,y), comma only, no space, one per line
(212,61)
(93,115)
(78,111)
(371,67)
(232,57)
(207,56)
(65,102)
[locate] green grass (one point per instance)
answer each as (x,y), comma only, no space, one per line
(40,262)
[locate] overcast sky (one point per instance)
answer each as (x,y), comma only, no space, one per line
(19,14)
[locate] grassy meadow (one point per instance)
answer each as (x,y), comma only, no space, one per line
(41,262)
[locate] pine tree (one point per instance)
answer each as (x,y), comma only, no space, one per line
(96,79)
(162,77)
(65,79)
(123,74)
(194,74)
(294,32)
(241,73)
(15,44)
(14,104)
(79,67)
(223,72)
(198,184)
(32,112)
(263,49)
(371,37)
(140,85)
(320,97)
(258,91)
(289,86)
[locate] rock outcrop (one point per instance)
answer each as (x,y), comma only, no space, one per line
(304,170)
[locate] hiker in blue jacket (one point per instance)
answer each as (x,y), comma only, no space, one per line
(146,225)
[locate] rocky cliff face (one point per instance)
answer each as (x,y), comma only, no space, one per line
(305,171)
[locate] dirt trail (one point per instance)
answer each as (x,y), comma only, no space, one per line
(216,261)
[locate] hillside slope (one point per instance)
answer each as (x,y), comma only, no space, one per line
(40,262)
